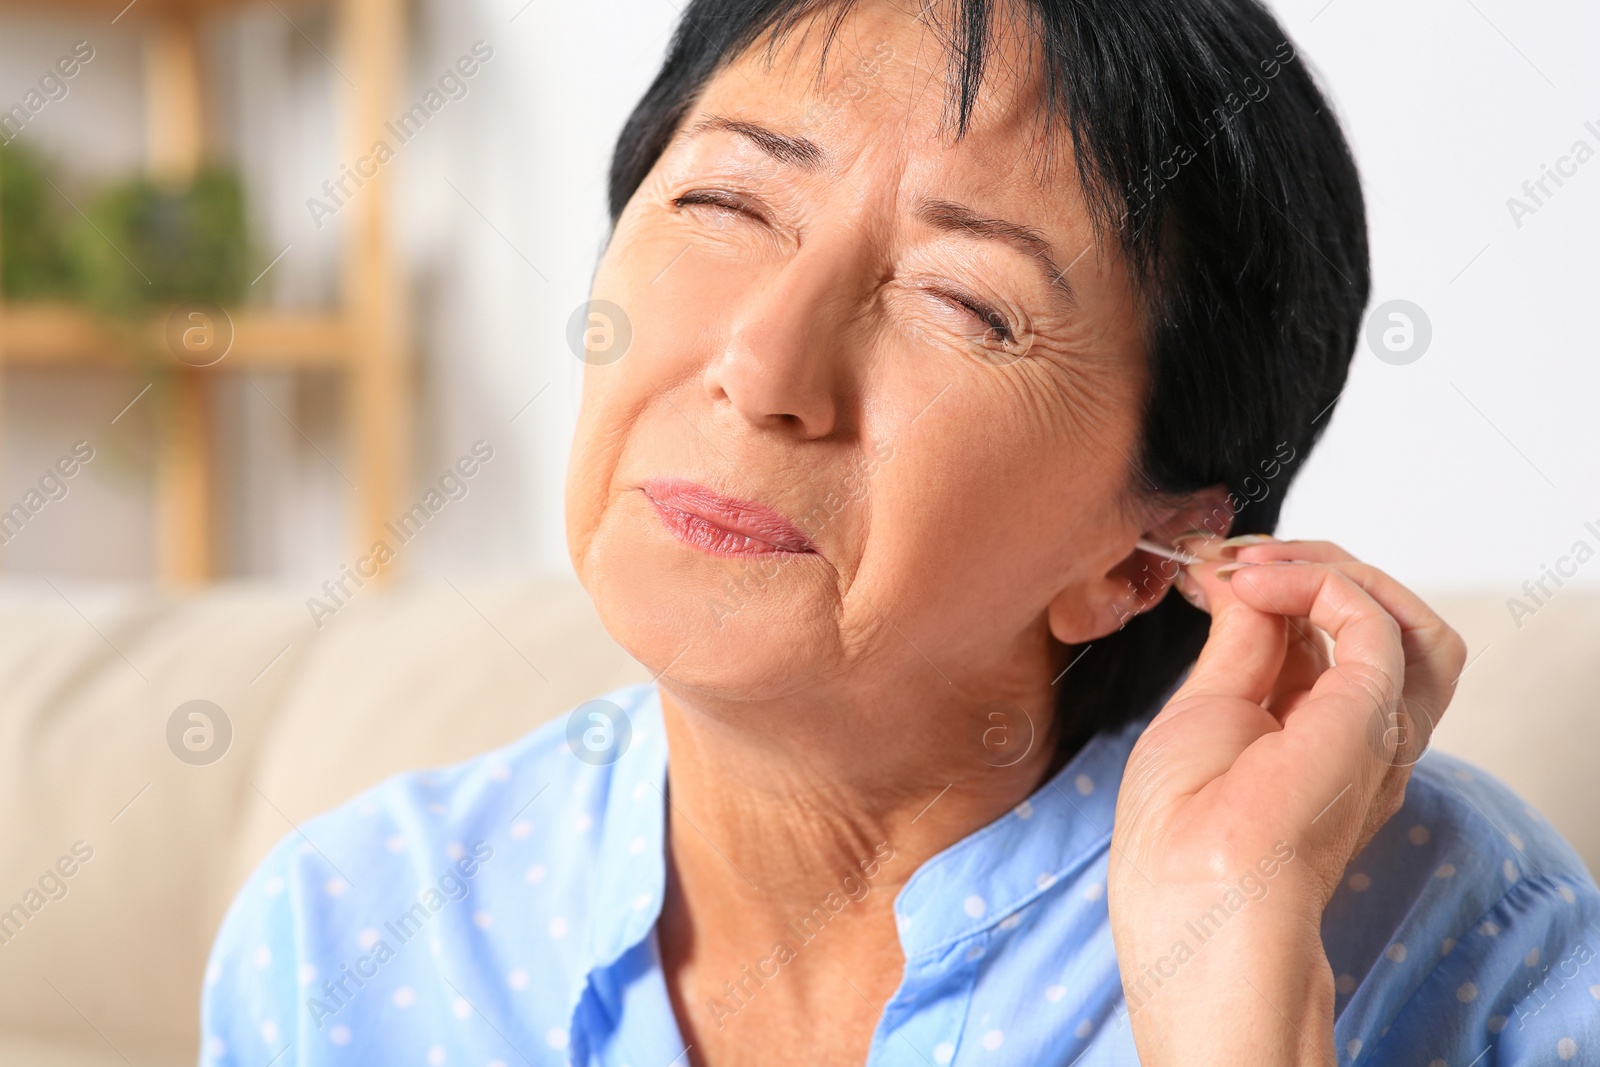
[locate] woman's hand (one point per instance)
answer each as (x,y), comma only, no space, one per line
(1247,796)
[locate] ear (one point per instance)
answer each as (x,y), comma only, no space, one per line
(1137,581)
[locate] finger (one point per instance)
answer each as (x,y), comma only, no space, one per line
(1432,643)
(1363,632)
(1244,650)
(1434,655)
(1408,609)
(1260,549)
(1303,663)
(1204,545)
(1326,738)
(1434,652)
(1207,545)
(1400,735)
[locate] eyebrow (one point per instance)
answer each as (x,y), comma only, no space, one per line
(798,151)
(949,216)
(944,215)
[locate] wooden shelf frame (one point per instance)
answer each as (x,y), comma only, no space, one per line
(365,338)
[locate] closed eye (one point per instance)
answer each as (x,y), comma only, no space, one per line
(994,322)
(718,198)
(996,327)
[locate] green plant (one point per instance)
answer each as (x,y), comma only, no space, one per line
(147,245)
(34,259)
(143,246)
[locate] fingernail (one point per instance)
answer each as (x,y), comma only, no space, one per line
(1190,590)
(1226,571)
(1228,548)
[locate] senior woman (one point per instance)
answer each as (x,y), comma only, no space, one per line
(937,315)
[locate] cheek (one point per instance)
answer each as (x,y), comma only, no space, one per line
(960,551)
(1004,488)
(660,321)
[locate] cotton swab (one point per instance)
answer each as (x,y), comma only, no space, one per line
(1174,554)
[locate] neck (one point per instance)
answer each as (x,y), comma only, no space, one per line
(780,806)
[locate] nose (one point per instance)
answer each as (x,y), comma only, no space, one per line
(782,367)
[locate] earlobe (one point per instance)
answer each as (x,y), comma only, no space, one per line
(1085,614)
(1071,621)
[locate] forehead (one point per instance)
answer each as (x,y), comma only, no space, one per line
(873,82)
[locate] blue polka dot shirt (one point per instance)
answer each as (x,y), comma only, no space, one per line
(503,912)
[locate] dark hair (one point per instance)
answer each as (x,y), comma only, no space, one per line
(1204,147)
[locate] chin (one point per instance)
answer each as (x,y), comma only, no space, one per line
(736,628)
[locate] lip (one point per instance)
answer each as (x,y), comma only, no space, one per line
(721,525)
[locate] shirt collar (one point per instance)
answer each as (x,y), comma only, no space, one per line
(969,887)
(1004,866)
(630,865)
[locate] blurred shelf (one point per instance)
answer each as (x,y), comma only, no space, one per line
(365,338)
(140,8)
(45,336)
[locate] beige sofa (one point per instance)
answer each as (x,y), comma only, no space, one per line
(106,970)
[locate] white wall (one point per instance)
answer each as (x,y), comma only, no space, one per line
(1474,465)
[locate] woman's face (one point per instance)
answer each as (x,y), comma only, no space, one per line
(882,391)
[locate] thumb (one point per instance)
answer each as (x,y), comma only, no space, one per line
(1245,649)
